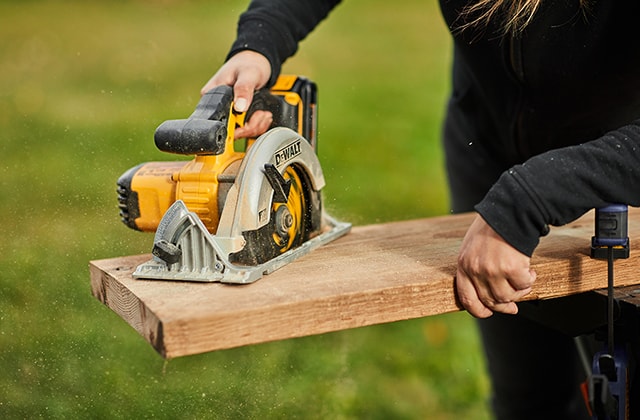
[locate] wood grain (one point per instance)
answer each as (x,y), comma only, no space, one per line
(376,274)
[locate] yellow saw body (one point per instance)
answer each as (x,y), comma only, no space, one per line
(232,215)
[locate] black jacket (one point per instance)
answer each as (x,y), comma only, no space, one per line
(557,106)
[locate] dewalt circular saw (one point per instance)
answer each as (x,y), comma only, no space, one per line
(232,215)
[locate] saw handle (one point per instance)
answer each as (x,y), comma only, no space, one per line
(291,101)
(206,129)
(204,132)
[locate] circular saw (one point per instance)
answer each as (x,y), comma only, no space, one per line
(238,209)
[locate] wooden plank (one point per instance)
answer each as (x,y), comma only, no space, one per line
(376,274)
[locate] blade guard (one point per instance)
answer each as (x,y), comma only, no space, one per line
(248,203)
(185,250)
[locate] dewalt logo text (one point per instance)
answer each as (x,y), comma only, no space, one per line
(287,153)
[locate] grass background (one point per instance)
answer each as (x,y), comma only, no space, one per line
(83,86)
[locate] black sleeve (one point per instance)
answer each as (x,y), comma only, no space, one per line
(559,186)
(275,27)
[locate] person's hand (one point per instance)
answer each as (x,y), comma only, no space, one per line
(491,275)
(246,72)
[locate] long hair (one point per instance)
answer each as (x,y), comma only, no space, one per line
(514,15)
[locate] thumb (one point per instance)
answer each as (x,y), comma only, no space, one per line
(242,96)
(243,91)
(241,104)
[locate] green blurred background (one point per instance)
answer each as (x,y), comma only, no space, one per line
(83,86)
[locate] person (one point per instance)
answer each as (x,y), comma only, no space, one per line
(542,125)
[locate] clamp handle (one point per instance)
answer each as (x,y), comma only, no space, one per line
(611,230)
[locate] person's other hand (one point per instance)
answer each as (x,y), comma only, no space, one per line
(246,72)
(491,275)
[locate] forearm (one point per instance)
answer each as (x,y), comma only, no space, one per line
(274,28)
(559,186)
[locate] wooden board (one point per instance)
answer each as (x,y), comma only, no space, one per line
(376,274)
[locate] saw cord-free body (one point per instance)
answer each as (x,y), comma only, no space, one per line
(231,215)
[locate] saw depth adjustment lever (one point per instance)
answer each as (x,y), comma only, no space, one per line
(607,384)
